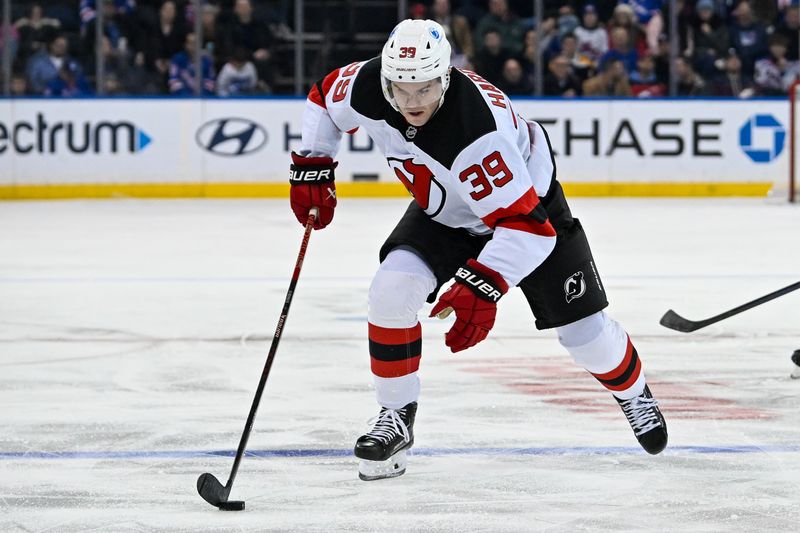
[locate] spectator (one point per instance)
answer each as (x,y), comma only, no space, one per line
(624,17)
(238,76)
(118,22)
(592,38)
(748,38)
(707,36)
(166,39)
(513,80)
(491,58)
(246,31)
(507,25)
(732,81)
(662,60)
(19,84)
(648,14)
(44,66)
(13,40)
(689,82)
(620,49)
(88,10)
(789,27)
(644,82)
(35,30)
(529,55)
(774,73)
(182,71)
(560,81)
(569,49)
(458,32)
(69,82)
(211,33)
(417,11)
(612,80)
(126,75)
(567,20)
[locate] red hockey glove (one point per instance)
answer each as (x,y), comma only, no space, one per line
(474,298)
(312,186)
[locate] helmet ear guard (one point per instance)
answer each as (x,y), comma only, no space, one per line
(416,51)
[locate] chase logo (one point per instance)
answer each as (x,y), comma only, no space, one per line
(762,138)
(231,136)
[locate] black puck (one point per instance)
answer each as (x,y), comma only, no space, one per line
(796,357)
(231,506)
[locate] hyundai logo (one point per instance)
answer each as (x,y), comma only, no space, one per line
(231,136)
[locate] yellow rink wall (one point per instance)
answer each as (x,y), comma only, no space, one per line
(351,190)
(239,148)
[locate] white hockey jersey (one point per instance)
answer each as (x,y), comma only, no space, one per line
(474,165)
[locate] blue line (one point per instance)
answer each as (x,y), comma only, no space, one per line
(425,452)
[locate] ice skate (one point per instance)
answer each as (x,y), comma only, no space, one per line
(383,450)
(646,421)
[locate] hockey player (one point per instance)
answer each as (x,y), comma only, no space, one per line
(487,211)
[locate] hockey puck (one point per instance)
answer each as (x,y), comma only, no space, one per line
(231,506)
(796,360)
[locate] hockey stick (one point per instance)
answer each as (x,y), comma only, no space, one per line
(209,486)
(673,320)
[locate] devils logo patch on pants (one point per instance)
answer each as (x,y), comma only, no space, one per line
(575,287)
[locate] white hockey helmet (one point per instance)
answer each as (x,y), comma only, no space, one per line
(417,51)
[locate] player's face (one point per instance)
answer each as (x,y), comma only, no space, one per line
(417,101)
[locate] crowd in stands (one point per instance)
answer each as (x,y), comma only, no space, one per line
(737,48)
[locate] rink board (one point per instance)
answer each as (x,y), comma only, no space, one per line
(240,148)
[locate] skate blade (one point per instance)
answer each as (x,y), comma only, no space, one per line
(392,467)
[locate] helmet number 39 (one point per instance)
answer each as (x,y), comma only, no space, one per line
(409,52)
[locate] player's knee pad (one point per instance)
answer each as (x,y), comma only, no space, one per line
(596,342)
(399,290)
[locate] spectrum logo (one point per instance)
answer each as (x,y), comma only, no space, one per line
(42,137)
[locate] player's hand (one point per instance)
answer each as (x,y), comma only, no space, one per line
(313,185)
(474,298)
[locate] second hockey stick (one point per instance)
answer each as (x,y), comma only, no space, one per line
(208,486)
(673,320)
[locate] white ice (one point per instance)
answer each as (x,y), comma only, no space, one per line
(133,334)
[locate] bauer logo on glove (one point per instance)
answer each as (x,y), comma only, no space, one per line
(313,185)
(480,285)
(302,174)
(474,298)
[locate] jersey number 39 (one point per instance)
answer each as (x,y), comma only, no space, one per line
(493,165)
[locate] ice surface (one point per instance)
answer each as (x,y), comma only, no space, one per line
(133,333)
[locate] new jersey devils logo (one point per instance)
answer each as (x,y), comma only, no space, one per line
(574,287)
(420,182)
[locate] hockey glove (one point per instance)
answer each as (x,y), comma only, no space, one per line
(474,298)
(312,184)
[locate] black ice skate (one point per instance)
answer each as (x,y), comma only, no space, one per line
(646,421)
(383,450)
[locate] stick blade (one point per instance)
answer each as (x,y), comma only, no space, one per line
(673,320)
(211,490)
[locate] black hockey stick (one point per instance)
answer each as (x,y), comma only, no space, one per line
(209,486)
(673,320)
